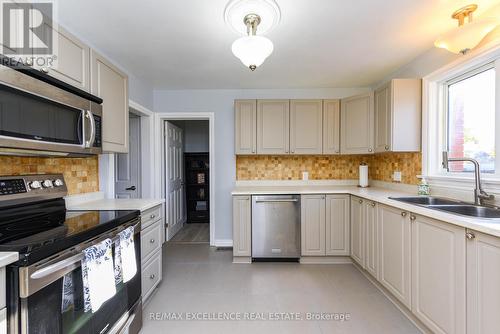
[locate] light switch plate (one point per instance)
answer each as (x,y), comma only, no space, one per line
(396,176)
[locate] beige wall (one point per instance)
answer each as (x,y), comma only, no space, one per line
(81,174)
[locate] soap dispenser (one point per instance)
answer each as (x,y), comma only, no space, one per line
(423,187)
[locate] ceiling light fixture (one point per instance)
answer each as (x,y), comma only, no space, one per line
(466,36)
(244,16)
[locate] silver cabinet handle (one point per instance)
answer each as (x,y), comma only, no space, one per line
(413,217)
(373,204)
(90,117)
(276,200)
(152,216)
(369,150)
(152,241)
(152,276)
(44,70)
(386,147)
(403,214)
(29,62)
(470,235)
(360,201)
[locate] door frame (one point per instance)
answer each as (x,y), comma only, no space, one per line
(159,157)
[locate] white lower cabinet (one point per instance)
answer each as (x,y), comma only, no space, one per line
(483,283)
(371,238)
(357,230)
(151,255)
(242,226)
(438,275)
(312,214)
(395,252)
(337,225)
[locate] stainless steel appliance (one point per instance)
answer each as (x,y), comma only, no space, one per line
(38,118)
(276,227)
(50,240)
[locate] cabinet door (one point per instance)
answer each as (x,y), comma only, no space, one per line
(357,230)
(242,226)
(306,126)
(331,127)
(337,225)
(383,119)
(395,252)
(245,126)
(438,274)
(483,288)
(273,126)
(111,84)
(73,58)
(313,225)
(371,238)
(356,119)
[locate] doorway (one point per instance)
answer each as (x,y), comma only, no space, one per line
(187,176)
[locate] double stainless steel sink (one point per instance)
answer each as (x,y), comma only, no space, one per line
(452,206)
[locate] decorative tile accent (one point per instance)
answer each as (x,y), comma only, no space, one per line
(81,174)
(327,167)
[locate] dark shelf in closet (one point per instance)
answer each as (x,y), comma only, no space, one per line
(197,190)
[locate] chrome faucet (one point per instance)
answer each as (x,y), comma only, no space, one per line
(479,194)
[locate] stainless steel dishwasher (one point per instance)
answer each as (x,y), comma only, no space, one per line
(276,226)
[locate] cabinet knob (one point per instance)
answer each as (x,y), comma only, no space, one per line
(152,241)
(373,204)
(404,213)
(370,150)
(29,62)
(412,217)
(152,216)
(470,235)
(44,70)
(152,276)
(386,147)
(360,201)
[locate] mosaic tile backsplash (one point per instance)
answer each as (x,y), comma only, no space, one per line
(328,167)
(81,174)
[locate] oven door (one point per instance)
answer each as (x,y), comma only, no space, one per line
(35,115)
(51,296)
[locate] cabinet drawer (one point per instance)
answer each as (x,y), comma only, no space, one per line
(151,276)
(3,288)
(150,240)
(150,216)
(3,321)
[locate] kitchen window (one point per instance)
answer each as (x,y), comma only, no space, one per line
(470,119)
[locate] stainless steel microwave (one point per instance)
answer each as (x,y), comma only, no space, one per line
(37,118)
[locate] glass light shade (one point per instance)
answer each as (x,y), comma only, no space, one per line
(467,36)
(252,50)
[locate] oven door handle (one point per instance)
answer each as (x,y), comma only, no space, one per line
(49,270)
(90,117)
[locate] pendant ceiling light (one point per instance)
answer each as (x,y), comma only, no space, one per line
(244,17)
(466,36)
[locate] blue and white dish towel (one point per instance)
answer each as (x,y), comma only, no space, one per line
(125,264)
(97,275)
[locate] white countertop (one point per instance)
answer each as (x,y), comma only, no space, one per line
(115,204)
(380,195)
(7,258)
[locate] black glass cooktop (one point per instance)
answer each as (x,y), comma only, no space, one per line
(39,230)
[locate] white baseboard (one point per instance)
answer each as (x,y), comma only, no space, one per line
(223,243)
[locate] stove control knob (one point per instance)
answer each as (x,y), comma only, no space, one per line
(47,184)
(35,185)
(58,183)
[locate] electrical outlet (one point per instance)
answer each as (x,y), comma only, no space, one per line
(396,176)
(305,175)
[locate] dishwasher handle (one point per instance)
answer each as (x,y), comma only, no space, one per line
(276,200)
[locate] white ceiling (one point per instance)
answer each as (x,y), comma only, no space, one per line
(185,44)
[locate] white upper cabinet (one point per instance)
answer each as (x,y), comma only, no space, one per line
(337,225)
(245,126)
(398,113)
(111,84)
(306,126)
(331,127)
(357,230)
(273,126)
(312,213)
(356,125)
(395,252)
(483,288)
(438,275)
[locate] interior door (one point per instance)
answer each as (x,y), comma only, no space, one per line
(174,150)
(128,165)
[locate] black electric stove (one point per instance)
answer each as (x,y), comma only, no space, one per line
(50,239)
